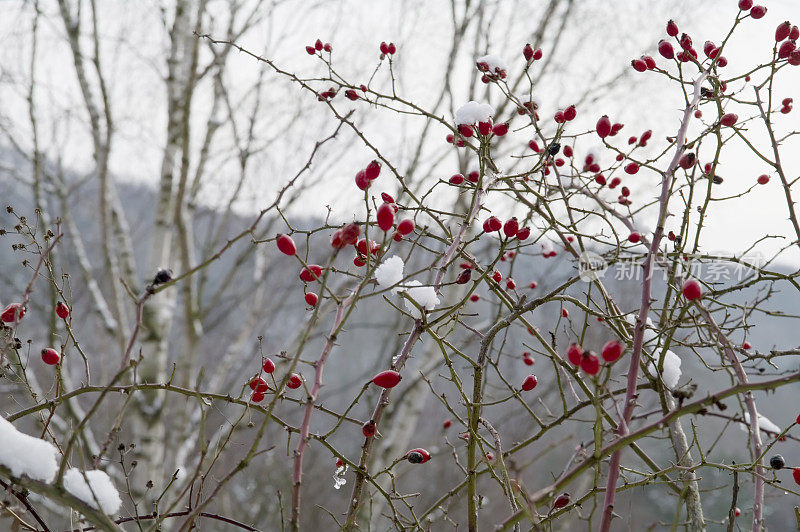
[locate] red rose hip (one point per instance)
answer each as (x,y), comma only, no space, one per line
(574,354)
(511,227)
(50,356)
(529,383)
(611,351)
(312,298)
(728,119)
(405,227)
(783,30)
(387,379)
(286,245)
(258,385)
(310,273)
(561,501)
(691,289)
(373,170)
(295,381)
(590,363)
(758,12)
(62,311)
(385,217)
(603,126)
(672,28)
(666,50)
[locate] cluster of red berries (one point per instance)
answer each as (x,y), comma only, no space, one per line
(644,63)
(387,49)
(605,128)
(565,115)
(588,361)
(786,105)
(466,275)
(590,165)
(327,95)
(318,47)
(308,274)
(351,94)
(385,218)
(530,54)
(365,177)
(457,179)
(755,11)
(641,141)
(511,228)
(350,233)
(287,246)
(529,108)
(346,236)
(687,53)
(483,129)
(458,142)
(787,35)
(508,255)
(490,74)
(260,386)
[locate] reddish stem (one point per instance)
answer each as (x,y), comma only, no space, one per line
(644,311)
(319,366)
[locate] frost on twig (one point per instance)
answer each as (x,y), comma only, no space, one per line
(339,479)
